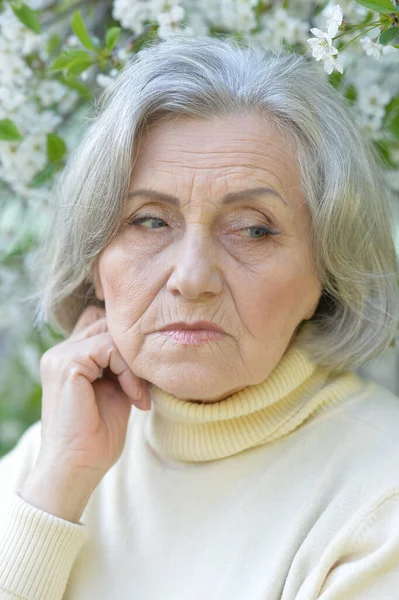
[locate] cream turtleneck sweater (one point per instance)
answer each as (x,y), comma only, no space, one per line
(295,390)
(286,490)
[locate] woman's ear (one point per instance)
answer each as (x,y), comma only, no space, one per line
(97,284)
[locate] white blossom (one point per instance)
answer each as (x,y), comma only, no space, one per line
(370,123)
(208,10)
(103,80)
(164,6)
(375,49)
(170,21)
(197,23)
(237,15)
(122,54)
(372,100)
(25,158)
(50,92)
(171,18)
(132,14)
(68,102)
(22,99)
(322,49)
(334,19)
(72,41)
(279,25)
(321,45)
(19,38)
(14,71)
(29,120)
(330,64)
(10,99)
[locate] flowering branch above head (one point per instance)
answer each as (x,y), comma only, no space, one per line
(322,44)
(322,47)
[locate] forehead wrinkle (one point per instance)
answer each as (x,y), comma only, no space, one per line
(225,163)
(222,178)
(225,153)
(170,157)
(257,172)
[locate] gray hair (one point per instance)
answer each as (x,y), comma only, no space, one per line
(350,205)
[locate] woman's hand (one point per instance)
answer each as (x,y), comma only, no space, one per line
(84,419)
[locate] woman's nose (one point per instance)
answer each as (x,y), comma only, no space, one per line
(195,270)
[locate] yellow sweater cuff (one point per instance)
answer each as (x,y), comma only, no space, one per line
(37,551)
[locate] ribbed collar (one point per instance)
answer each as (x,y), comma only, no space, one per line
(296,389)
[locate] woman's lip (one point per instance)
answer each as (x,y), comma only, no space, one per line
(197,326)
(193,336)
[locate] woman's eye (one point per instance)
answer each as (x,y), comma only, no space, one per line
(259,231)
(144,218)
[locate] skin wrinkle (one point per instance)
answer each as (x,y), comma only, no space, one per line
(201,262)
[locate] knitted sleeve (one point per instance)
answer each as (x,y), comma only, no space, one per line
(37,549)
(361,563)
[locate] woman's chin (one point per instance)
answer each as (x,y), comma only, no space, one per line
(194,375)
(200,388)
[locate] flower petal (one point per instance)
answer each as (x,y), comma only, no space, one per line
(317,32)
(332,29)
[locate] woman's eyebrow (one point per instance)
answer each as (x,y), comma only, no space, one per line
(226,199)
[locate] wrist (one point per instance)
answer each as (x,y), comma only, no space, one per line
(64,495)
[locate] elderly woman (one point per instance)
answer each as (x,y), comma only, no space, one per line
(221,260)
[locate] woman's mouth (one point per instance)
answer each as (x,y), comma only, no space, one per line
(193,336)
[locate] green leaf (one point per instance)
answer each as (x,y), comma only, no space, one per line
(76,85)
(336,79)
(111,37)
(81,32)
(53,42)
(393,106)
(63,60)
(351,93)
(9,131)
(43,175)
(56,147)
(391,113)
(384,153)
(78,66)
(27,16)
(384,7)
(388,35)
(394,126)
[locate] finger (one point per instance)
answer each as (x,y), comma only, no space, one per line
(90,315)
(99,326)
(140,392)
(135,387)
(100,352)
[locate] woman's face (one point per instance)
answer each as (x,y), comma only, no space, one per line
(200,258)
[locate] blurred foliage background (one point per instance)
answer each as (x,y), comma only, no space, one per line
(55,60)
